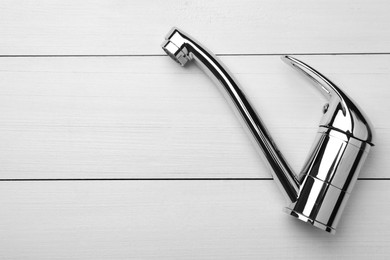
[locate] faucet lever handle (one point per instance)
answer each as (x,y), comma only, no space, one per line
(342,113)
(328,88)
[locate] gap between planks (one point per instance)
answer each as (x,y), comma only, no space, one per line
(161,55)
(164,179)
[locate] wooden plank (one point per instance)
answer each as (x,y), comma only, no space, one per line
(181,220)
(120,27)
(146,117)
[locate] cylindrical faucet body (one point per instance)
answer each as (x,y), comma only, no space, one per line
(328,177)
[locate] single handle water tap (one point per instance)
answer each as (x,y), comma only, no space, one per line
(319,193)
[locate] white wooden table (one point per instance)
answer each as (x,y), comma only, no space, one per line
(110,150)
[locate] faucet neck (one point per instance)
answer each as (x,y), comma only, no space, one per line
(183,48)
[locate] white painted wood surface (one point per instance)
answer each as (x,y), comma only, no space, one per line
(181,220)
(146,117)
(71,112)
(249,26)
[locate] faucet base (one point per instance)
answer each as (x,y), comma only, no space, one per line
(310,221)
(319,204)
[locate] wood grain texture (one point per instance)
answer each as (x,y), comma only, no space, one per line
(145,117)
(181,220)
(128,27)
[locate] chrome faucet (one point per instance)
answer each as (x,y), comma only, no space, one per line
(319,193)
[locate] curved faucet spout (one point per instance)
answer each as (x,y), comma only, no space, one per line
(183,48)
